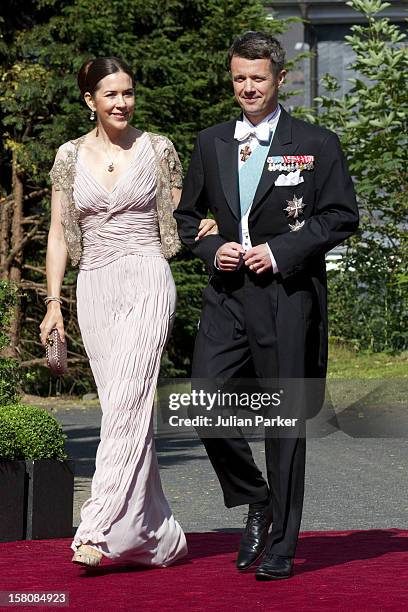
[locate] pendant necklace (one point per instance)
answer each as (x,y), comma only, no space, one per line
(111,166)
(111,160)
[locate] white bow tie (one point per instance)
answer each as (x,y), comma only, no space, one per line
(243,131)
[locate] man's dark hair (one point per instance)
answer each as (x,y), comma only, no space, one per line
(258,45)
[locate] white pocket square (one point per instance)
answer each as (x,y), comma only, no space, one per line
(292,178)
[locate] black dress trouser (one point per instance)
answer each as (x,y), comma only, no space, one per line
(267,325)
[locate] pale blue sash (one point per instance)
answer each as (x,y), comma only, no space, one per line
(250,175)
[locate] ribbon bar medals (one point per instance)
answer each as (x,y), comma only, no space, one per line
(290,163)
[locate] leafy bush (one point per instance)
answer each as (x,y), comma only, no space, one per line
(28,432)
(368,291)
(9,371)
(190,278)
(8,299)
(10,378)
(8,440)
(368,312)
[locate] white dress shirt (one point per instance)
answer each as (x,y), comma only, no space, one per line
(252,141)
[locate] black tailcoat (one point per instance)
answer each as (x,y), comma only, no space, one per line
(274,323)
(330,212)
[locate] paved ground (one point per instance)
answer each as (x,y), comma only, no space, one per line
(351,482)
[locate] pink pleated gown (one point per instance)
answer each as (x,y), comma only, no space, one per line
(126,301)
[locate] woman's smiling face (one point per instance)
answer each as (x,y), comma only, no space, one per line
(113,100)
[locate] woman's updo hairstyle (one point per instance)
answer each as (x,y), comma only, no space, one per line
(93,71)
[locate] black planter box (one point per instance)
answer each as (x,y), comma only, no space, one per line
(49,502)
(12,500)
(36,499)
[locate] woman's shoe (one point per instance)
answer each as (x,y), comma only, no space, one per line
(86,555)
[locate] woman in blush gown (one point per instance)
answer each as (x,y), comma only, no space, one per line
(111,212)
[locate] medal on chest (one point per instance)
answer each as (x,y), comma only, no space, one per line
(245,152)
(290,163)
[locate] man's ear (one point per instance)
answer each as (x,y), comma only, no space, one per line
(281,77)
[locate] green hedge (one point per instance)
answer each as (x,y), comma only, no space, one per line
(28,432)
(8,440)
(10,380)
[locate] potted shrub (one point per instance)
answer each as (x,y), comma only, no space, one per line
(12,486)
(36,479)
(32,444)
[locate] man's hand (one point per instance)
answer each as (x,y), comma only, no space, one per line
(258,259)
(229,256)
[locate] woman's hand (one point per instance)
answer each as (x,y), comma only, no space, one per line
(52,319)
(206,228)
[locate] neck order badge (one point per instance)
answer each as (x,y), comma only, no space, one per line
(245,152)
(250,174)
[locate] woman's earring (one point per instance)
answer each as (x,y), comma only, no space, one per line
(92,116)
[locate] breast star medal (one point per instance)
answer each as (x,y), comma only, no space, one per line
(295,207)
(245,152)
(295,227)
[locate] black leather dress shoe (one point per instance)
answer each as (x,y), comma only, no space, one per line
(254,538)
(275,567)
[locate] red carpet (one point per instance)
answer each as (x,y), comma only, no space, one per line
(341,571)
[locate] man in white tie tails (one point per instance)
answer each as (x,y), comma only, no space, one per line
(282,197)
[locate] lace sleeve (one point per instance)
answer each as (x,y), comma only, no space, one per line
(62,176)
(55,172)
(62,169)
(169,175)
(175,168)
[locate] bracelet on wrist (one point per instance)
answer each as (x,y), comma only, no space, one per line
(52,298)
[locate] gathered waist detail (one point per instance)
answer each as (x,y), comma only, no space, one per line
(90,261)
(107,238)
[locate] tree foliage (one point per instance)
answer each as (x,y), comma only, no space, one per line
(178,51)
(9,372)
(368,292)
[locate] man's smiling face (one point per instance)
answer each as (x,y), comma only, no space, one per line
(255,86)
